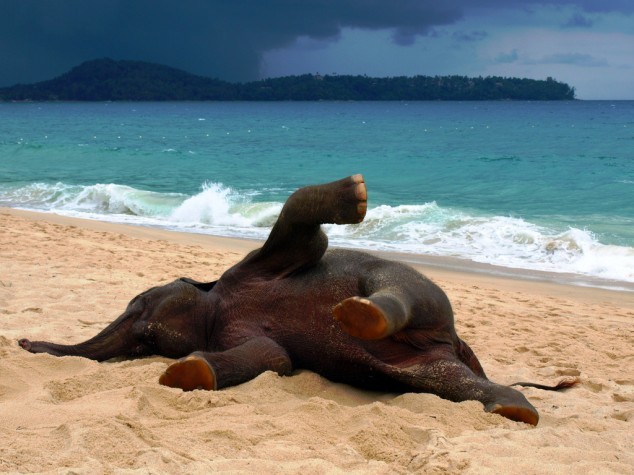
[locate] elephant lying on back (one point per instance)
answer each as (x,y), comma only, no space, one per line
(347,315)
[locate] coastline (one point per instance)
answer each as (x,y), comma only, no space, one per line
(451,267)
(65,278)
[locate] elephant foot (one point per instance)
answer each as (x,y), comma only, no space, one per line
(517,409)
(361,195)
(343,201)
(189,373)
(361,318)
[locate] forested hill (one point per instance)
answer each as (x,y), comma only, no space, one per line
(109,80)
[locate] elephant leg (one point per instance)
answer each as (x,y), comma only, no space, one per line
(468,357)
(216,370)
(374,317)
(453,380)
(395,297)
(296,240)
(340,202)
(402,303)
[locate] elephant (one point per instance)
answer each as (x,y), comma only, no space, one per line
(347,315)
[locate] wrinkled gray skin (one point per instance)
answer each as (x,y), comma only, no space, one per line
(347,315)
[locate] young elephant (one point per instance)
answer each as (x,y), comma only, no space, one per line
(347,315)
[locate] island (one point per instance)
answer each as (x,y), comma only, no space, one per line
(119,80)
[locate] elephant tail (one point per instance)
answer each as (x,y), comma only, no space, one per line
(565,383)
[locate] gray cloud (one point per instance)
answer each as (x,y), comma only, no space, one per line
(577,59)
(578,21)
(217,38)
(469,36)
(511,57)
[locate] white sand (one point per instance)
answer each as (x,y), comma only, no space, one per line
(64,280)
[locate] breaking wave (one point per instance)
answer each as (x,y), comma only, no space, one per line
(426,229)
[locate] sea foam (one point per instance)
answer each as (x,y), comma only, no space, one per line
(220,206)
(427,229)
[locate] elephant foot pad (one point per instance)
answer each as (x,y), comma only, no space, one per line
(361,318)
(516,413)
(189,373)
(361,194)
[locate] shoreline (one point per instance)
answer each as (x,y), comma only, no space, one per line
(440,266)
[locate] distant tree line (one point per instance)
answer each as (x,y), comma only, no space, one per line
(109,80)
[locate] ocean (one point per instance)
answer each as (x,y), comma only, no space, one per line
(533,186)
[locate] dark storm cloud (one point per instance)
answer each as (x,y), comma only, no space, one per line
(218,38)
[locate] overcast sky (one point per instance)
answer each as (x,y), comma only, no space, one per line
(587,43)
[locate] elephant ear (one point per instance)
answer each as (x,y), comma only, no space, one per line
(204,286)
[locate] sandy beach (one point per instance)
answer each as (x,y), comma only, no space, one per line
(65,279)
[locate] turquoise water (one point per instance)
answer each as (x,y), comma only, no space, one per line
(530,185)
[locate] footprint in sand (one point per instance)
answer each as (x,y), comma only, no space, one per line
(568,372)
(625,416)
(32,309)
(594,387)
(617,397)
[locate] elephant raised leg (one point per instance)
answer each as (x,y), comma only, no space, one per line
(296,240)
